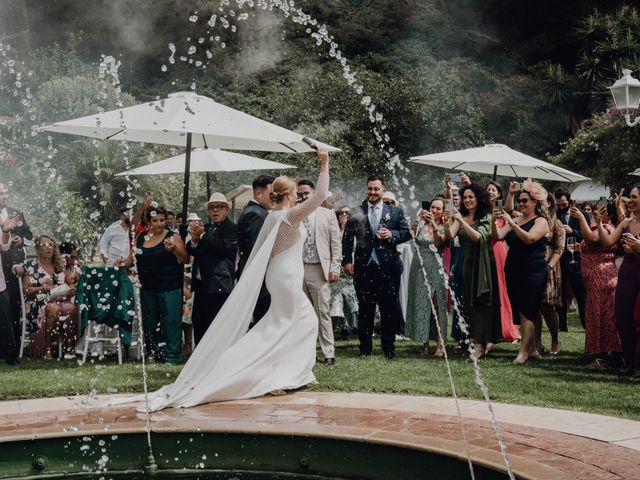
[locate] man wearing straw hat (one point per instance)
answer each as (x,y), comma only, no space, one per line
(214,248)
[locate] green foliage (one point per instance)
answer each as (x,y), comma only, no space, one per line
(604,149)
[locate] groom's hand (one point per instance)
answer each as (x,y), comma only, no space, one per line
(384,233)
(333,277)
(348,269)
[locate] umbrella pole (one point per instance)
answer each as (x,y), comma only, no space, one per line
(495,172)
(185,184)
(208,185)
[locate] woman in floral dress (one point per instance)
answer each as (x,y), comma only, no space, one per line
(420,324)
(552,299)
(600,280)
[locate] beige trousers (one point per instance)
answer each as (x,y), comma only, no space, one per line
(319,292)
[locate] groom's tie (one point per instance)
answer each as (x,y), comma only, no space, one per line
(374,221)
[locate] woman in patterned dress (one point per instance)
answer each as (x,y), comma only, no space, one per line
(420,324)
(600,280)
(552,299)
(49,315)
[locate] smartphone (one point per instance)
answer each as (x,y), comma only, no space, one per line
(518,186)
(499,205)
(455,177)
(300,196)
(426,205)
(310,142)
(448,206)
(603,202)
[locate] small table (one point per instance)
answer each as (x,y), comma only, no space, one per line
(105,295)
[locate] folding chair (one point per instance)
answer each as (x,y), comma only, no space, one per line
(93,335)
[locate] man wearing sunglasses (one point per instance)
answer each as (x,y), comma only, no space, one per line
(214,248)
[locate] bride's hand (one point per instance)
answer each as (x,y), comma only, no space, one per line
(323,155)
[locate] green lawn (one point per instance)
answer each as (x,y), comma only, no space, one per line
(562,381)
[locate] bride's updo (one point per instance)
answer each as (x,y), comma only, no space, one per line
(282,186)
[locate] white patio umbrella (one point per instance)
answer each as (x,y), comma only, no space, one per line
(497,159)
(207,160)
(189,120)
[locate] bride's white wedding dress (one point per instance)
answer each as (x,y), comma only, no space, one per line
(280,351)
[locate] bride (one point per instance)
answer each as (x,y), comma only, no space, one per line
(280,351)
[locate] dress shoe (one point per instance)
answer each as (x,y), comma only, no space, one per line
(13,361)
(329,361)
(390,355)
(364,355)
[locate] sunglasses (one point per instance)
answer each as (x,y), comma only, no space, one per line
(344,213)
(217,207)
(522,201)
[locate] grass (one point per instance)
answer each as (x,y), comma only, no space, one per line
(562,381)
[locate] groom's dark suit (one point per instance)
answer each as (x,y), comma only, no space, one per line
(376,275)
(249,226)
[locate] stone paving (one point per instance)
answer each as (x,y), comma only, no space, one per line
(542,443)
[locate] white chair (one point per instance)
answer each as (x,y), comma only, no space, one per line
(99,333)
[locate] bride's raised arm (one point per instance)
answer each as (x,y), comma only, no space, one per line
(296,214)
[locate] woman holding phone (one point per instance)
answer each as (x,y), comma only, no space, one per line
(526,267)
(600,280)
(510,332)
(480,295)
(421,325)
(628,288)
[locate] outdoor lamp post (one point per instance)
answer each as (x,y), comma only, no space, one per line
(626,95)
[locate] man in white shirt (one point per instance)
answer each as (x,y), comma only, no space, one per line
(322,255)
(115,243)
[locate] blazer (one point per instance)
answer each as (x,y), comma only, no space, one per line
(565,259)
(328,241)
(358,230)
(249,226)
(15,254)
(214,258)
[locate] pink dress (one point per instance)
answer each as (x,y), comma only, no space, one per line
(510,331)
(600,279)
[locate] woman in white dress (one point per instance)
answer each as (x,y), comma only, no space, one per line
(280,351)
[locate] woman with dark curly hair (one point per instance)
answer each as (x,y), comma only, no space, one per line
(480,296)
(526,267)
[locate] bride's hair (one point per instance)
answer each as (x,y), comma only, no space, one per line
(281,188)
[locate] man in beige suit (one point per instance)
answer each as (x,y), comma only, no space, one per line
(322,255)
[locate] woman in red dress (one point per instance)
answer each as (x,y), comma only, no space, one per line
(600,280)
(510,332)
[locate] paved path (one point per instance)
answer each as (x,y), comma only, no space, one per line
(542,443)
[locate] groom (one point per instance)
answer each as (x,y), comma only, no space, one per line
(375,265)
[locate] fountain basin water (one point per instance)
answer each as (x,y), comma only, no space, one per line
(227,456)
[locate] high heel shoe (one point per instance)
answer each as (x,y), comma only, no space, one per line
(520,359)
(425,350)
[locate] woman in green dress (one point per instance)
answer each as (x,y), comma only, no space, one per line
(421,324)
(480,294)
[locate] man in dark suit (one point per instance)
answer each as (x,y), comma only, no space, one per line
(571,270)
(15,255)
(249,225)
(375,265)
(214,247)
